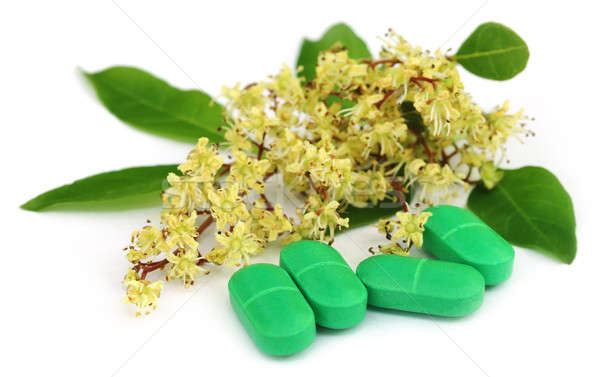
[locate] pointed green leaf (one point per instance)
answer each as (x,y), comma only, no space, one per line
(120,189)
(493,51)
(309,51)
(529,208)
(152,105)
(371,214)
(412,117)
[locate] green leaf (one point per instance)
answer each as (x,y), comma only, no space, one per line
(529,208)
(152,105)
(345,103)
(309,52)
(493,51)
(412,117)
(120,189)
(371,214)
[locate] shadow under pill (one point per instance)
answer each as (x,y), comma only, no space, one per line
(418,316)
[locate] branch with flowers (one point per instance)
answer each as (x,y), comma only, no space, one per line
(345,132)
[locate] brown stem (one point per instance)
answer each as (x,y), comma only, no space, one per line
(397,186)
(267,202)
(321,192)
(226,168)
(373,64)
(269,175)
(202,227)
(274,102)
(446,157)
(421,78)
(149,267)
(423,142)
(467,180)
(261,149)
(385,97)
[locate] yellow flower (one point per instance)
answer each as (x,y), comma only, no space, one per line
(291,238)
(416,166)
(490,175)
(394,248)
(244,99)
(181,230)
(256,123)
(432,177)
(227,206)
(504,125)
(370,186)
(184,266)
(202,162)
(237,246)
(185,193)
(408,226)
(365,109)
(268,225)
(385,138)
(438,108)
(336,69)
(320,219)
(287,85)
(148,241)
(237,140)
(248,172)
(142,293)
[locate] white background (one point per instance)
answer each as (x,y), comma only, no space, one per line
(61,311)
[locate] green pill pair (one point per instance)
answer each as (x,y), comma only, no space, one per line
(281,306)
(472,256)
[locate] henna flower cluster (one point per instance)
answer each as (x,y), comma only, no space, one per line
(360,132)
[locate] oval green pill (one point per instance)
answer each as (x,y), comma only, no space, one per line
(272,309)
(421,285)
(336,295)
(456,234)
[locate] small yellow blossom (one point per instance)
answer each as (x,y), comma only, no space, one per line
(248,172)
(287,85)
(237,246)
(184,266)
(504,125)
(142,293)
(393,248)
(148,241)
(268,225)
(432,177)
(202,162)
(185,193)
(237,139)
(227,207)
(320,219)
(408,226)
(181,230)
(385,138)
(490,175)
